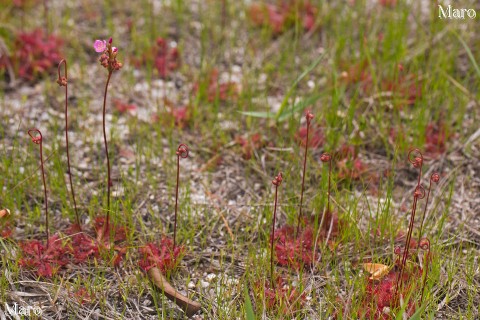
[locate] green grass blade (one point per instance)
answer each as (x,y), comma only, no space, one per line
(294,85)
(418,313)
(287,112)
(258,114)
(297,107)
(469,53)
(249,314)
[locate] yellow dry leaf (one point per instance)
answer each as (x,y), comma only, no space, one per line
(377,270)
(4,213)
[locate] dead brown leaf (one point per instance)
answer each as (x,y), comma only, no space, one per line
(4,213)
(377,270)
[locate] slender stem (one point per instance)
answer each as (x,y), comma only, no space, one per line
(66,140)
(45,194)
(45,16)
(326,157)
(37,138)
(329,184)
(109,181)
(419,193)
(182,152)
(426,273)
(424,212)
(176,203)
(407,245)
(303,181)
(273,237)
(434,177)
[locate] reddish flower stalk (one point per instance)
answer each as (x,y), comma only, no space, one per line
(308,116)
(424,244)
(326,157)
(108,60)
(182,152)
(435,177)
(276,182)
(419,193)
(63,82)
(37,138)
(109,181)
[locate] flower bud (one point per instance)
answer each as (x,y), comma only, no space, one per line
(418,162)
(325,157)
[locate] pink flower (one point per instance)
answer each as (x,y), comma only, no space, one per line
(100,45)
(114,49)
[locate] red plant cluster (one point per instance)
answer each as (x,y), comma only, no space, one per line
(83,296)
(280,295)
(181,116)
(46,261)
(119,232)
(380,295)
(6,232)
(349,165)
(217,90)
(249,144)
(436,138)
(405,87)
(20,4)
(295,252)
(165,58)
(34,54)
(315,139)
(298,252)
(356,73)
(76,249)
(388,3)
(163,256)
(124,107)
(84,246)
(282,17)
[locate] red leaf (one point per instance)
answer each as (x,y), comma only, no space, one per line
(164,257)
(217,90)
(283,16)
(123,107)
(181,116)
(42,260)
(315,137)
(35,53)
(294,252)
(249,144)
(436,138)
(165,58)
(281,295)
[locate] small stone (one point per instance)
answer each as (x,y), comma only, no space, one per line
(211,276)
